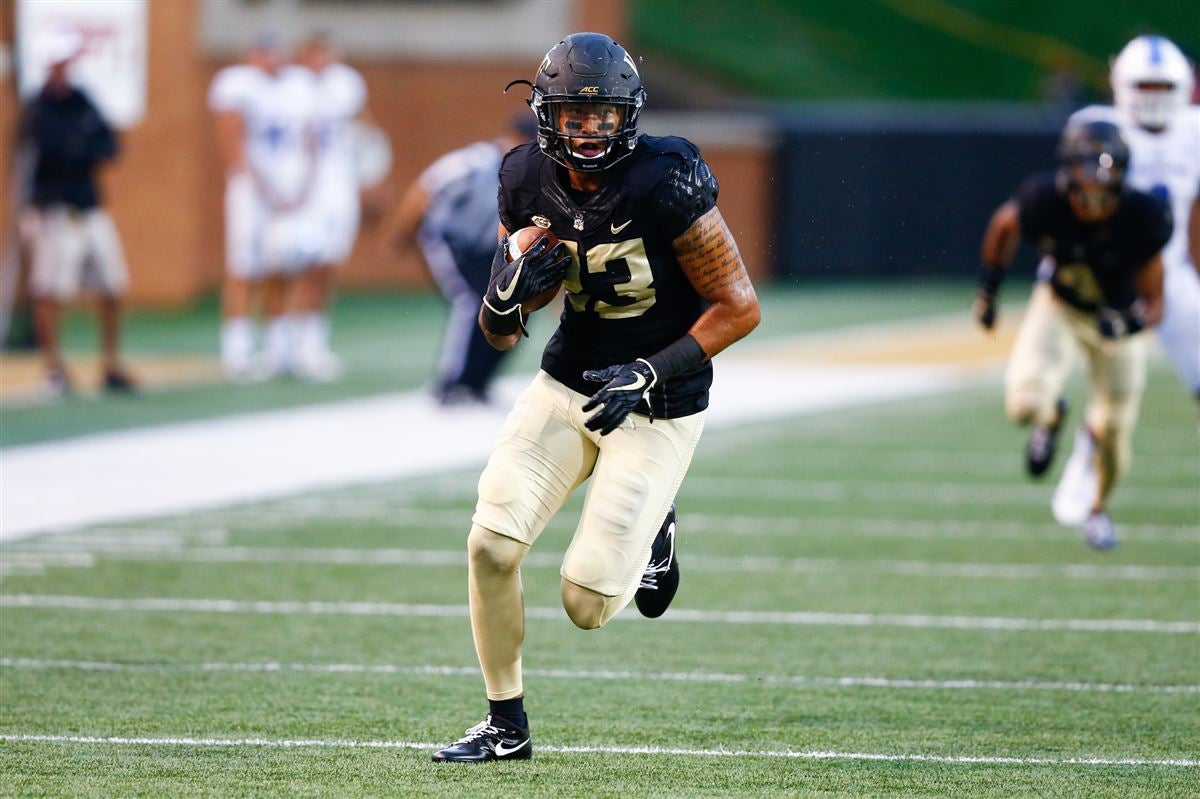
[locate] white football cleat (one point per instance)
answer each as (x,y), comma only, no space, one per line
(1099,531)
(318,366)
(1079,483)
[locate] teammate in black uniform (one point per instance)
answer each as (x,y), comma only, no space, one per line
(655,288)
(1099,285)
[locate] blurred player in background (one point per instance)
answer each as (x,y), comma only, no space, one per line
(1152,85)
(262,115)
(72,240)
(655,288)
(450,212)
(1099,286)
(339,98)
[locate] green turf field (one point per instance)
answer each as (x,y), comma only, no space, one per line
(874,602)
(901,49)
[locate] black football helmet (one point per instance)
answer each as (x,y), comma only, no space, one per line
(1093,159)
(1095,151)
(587,95)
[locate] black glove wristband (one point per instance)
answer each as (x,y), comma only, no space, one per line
(991,277)
(1115,324)
(676,358)
(503,324)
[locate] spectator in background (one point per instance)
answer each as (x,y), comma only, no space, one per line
(71,238)
(262,114)
(450,212)
(340,98)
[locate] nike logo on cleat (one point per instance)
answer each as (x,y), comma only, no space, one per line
(504,751)
(618,228)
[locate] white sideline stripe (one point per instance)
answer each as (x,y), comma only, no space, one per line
(704,563)
(346,743)
(610,674)
(182,468)
(171,604)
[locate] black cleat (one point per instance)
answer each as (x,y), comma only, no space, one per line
(493,738)
(661,579)
(1043,442)
(117,381)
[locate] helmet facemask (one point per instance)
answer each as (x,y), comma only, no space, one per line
(585,135)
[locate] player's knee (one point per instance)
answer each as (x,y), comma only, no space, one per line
(584,606)
(494,552)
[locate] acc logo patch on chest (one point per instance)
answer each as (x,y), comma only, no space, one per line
(541,221)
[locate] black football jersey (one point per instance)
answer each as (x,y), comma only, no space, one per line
(1094,263)
(626,295)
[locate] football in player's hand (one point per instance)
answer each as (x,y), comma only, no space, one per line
(525,238)
(519,242)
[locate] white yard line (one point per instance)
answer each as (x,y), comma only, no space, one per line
(902,492)
(335,556)
(346,743)
(802,618)
(795,680)
(385,513)
(182,468)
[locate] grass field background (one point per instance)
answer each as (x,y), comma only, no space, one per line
(914,515)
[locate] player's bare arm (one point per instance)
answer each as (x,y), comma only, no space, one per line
(999,246)
(1149,283)
(402,229)
(230,141)
(709,257)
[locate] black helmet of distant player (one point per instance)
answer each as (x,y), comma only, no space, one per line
(1093,160)
(587,96)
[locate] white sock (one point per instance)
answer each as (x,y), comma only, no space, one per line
(237,344)
(315,332)
(280,344)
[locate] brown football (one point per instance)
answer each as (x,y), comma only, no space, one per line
(519,242)
(525,238)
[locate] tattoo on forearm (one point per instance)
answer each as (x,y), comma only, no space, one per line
(709,255)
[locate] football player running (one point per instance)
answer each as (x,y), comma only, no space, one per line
(1152,85)
(1100,285)
(655,288)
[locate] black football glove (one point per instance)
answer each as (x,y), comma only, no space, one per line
(624,387)
(539,268)
(986,297)
(1114,324)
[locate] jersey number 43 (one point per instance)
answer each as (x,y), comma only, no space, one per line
(614,279)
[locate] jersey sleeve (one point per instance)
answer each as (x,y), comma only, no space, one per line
(687,191)
(516,170)
(229,91)
(1035,201)
(352,91)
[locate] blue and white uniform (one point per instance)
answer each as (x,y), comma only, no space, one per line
(340,96)
(275,109)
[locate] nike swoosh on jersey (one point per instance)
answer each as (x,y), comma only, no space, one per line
(618,228)
(505,293)
(638,382)
(502,750)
